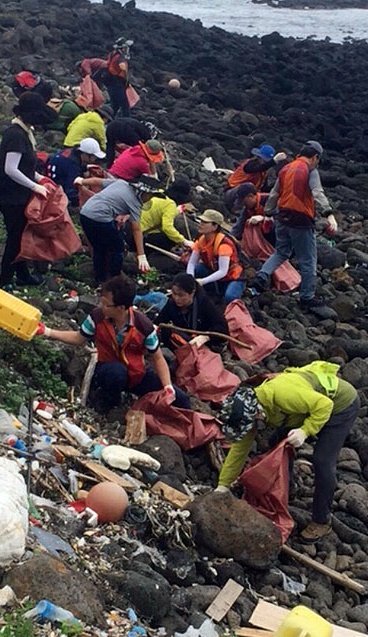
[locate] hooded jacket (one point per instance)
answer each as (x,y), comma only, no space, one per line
(295,398)
(86,125)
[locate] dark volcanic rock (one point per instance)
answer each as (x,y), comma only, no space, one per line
(232,528)
(45,577)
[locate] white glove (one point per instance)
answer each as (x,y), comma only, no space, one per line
(199,340)
(121,457)
(222,489)
(256,219)
(78,181)
(296,437)
(188,244)
(199,281)
(170,394)
(143,264)
(40,190)
(332,224)
(279,157)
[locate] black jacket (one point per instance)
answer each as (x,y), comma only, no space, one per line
(203,315)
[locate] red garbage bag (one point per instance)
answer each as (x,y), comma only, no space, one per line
(86,192)
(266,486)
(285,278)
(49,234)
(201,373)
(90,93)
(241,326)
(190,429)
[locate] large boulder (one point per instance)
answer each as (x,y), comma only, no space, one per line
(45,577)
(232,528)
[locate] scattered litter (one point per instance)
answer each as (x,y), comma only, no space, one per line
(52,543)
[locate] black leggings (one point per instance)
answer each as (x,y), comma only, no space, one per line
(329,442)
(15,222)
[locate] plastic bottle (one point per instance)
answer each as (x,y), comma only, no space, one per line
(46,610)
(77,433)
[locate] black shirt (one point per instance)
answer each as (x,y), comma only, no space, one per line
(202,315)
(16,140)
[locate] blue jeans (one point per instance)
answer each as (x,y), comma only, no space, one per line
(301,241)
(230,290)
(108,246)
(113,379)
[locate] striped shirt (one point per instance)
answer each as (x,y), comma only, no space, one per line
(142,323)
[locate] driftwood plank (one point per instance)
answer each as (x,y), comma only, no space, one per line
(270,617)
(224,600)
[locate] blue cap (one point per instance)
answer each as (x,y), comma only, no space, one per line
(265,152)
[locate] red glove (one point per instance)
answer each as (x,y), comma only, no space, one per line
(42,330)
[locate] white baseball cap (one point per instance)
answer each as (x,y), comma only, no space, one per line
(91,147)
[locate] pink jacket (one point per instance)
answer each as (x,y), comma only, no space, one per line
(130,164)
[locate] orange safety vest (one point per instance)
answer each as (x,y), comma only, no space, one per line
(240,177)
(295,193)
(113,65)
(209,255)
(131,353)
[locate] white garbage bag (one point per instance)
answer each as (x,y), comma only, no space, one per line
(13,512)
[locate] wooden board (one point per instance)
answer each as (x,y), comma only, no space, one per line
(270,617)
(253,632)
(224,600)
(175,497)
(103,473)
(67,451)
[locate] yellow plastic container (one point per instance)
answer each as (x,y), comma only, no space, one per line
(18,317)
(303,622)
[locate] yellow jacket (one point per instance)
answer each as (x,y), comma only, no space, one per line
(158,215)
(292,400)
(85,125)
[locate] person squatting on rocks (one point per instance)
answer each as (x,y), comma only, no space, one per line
(102,218)
(309,401)
(138,160)
(68,164)
(190,307)
(250,205)
(128,132)
(215,259)
(90,124)
(19,180)
(253,170)
(122,336)
(296,194)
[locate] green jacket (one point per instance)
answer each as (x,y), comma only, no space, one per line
(88,124)
(295,398)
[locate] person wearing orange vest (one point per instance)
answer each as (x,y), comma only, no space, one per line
(122,336)
(215,260)
(253,170)
(251,204)
(296,193)
(116,77)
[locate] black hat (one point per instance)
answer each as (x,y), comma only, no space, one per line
(33,110)
(106,112)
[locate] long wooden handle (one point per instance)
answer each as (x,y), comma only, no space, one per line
(226,337)
(339,578)
(171,255)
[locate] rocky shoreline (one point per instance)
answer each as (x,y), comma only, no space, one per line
(236,92)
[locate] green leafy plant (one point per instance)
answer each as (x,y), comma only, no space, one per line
(16,625)
(71,630)
(36,364)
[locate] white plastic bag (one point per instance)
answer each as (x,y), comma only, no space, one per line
(13,512)
(207,629)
